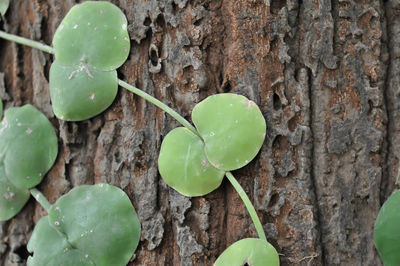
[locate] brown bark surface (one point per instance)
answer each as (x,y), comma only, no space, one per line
(325,74)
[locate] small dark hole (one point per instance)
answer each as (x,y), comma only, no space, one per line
(370,106)
(197,22)
(153,57)
(173,8)
(277,102)
(160,20)
(22,252)
(227,87)
(274,199)
(147,21)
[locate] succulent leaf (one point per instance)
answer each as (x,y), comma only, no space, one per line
(183,165)
(95,33)
(99,221)
(78,93)
(28,146)
(253,251)
(51,248)
(91,42)
(232,127)
(387,230)
(12,199)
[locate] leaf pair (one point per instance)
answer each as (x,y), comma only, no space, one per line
(232,131)
(28,149)
(90,225)
(91,42)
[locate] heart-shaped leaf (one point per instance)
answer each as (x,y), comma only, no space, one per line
(28,146)
(12,199)
(94,33)
(90,43)
(232,127)
(387,230)
(253,251)
(78,94)
(99,221)
(183,165)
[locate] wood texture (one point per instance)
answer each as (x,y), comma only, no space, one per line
(325,74)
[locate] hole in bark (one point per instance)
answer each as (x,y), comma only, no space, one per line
(370,107)
(277,102)
(147,21)
(274,199)
(227,87)
(198,22)
(160,20)
(154,57)
(22,252)
(173,7)
(277,5)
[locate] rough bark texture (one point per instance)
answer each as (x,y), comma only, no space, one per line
(325,74)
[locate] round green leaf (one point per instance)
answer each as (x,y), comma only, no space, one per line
(232,127)
(51,248)
(99,221)
(93,33)
(184,166)
(253,251)
(387,230)
(80,92)
(12,199)
(28,146)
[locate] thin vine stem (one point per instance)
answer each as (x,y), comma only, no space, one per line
(248,204)
(160,104)
(46,205)
(28,42)
(144,95)
(39,197)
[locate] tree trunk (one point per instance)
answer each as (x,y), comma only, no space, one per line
(325,74)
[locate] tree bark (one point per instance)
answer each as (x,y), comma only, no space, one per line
(325,74)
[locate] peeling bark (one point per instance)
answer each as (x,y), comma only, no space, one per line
(325,74)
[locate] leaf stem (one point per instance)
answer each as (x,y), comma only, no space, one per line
(28,42)
(43,201)
(160,104)
(39,197)
(144,95)
(247,203)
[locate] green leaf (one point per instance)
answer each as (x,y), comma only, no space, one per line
(90,43)
(4,6)
(12,199)
(387,230)
(51,248)
(97,220)
(183,165)
(78,93)
(232,127)
(253,251)
(28,146)
(93,33)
